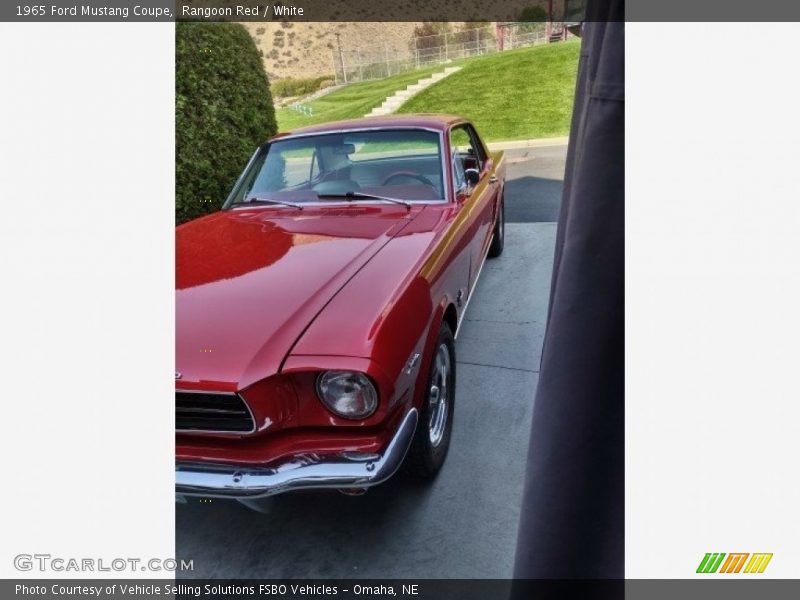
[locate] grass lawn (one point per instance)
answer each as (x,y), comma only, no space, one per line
(514,95)
(351,101)
(519,94)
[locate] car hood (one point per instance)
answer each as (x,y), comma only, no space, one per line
(250,281)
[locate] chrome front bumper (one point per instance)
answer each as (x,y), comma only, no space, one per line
(308,471)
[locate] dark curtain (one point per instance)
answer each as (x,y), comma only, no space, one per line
(572,523)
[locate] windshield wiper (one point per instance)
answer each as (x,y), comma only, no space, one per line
(358,195)
(256,200)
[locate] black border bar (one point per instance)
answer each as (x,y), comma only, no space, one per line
(386,10)
(701,588)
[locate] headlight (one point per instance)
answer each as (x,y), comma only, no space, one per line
(348,394)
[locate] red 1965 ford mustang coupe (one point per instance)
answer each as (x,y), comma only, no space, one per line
(317,311)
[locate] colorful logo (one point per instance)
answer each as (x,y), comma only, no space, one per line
(713,562)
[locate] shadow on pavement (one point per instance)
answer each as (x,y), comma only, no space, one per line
(533,200)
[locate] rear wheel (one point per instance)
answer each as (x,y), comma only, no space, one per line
(499,235)
(432,438)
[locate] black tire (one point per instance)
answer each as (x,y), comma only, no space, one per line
(432,438)
(499,235)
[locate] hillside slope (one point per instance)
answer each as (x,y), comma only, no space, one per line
(304,49)
(351,101)
(519,94)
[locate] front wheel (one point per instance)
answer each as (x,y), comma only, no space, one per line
(499,235)
(432,437)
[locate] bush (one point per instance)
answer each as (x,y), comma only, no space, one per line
(223,111)
(476,30)
(430,34)
(532,18)
(289,87)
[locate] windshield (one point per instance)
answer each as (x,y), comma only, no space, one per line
(403,164)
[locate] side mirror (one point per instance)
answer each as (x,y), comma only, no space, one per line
(473,176)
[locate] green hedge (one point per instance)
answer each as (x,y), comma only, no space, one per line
(289,86)
(223,111)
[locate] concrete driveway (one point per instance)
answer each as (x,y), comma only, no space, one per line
(464,524)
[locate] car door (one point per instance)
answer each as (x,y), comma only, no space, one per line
(490,200)
(477,199)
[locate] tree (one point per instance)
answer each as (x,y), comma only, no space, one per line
(477,30)
(430,34)
(532,18)
(223,111)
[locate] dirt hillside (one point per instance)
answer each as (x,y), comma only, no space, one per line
(301,49)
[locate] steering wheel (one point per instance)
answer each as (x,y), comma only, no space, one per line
(410,175)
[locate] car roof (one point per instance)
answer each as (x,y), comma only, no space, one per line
(422,121)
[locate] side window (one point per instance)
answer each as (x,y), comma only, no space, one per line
(460,144)
(460,139)
(466,149)
(477,146)
(459,178)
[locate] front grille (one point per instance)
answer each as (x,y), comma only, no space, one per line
(212,412)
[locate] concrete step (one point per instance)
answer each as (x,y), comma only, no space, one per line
(393,102)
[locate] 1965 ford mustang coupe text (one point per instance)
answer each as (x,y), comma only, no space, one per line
(317,311)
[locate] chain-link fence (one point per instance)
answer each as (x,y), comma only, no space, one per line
(447,46)
(519,35)
(383,60)
(370,62)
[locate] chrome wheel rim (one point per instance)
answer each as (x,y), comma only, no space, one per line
(439,396)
